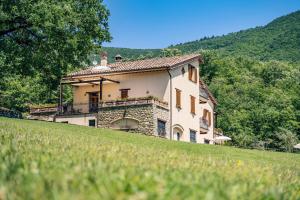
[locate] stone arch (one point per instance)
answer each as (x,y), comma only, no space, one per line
(125,123)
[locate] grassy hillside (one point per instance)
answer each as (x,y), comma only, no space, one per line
(40,160)
(279,40)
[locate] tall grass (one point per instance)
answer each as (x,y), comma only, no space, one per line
(40,160)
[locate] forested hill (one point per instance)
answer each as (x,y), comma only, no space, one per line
(279,40)
(130,53)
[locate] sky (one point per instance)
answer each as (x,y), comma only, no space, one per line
(161,23)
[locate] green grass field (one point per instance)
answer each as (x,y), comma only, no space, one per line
(40,160)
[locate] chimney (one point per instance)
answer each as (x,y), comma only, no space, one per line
(118,58)
(103,57)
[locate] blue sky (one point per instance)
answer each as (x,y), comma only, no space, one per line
(160,23)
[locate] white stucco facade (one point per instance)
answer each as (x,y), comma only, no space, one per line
(82,120)
(183,116)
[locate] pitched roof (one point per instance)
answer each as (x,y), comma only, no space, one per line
(204,87)
(138,65)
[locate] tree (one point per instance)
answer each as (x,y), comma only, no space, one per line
(286,139)
(169,52)
(49,37)
(256,100)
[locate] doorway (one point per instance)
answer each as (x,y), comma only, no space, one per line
(93,101)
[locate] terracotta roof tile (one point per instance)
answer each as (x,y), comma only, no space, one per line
(139,65)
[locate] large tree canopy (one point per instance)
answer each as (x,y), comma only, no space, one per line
(42,40)
(47,36)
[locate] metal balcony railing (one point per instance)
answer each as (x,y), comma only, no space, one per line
(85,108)
(204,123)
(203,93)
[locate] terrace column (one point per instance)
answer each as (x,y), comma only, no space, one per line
(60,109)
(101,89)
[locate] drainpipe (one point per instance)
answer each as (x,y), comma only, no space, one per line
(171,106)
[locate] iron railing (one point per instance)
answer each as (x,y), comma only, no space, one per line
(204,123)
(85,108)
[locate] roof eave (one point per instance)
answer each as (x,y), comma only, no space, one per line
(116,73)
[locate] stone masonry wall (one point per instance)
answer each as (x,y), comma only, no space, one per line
(142,113)
(164,115)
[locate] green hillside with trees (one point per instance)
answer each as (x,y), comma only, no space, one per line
(258,101)
(279,40)
(131,54)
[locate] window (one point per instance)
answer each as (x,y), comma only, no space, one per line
(92,122)
(193,105)
(124,93)
(161,128)
(193,136)
(178,98)
(193,74)
(206,141)
(207,116)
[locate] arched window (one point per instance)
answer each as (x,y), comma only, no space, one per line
(177,132)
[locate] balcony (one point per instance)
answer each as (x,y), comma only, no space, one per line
(203,97)
(85,108)
(204,126)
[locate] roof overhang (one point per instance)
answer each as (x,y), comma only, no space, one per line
(104,74)
(117,72)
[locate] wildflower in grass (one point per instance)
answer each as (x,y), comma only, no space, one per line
(239,163)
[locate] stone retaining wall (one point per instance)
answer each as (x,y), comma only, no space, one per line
(146,115)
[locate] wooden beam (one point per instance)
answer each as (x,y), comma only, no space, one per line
(89,81)
(107,79)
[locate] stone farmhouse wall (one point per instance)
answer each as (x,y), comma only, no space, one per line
(146,115)
(162,114)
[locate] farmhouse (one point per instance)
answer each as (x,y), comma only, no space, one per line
(162,97)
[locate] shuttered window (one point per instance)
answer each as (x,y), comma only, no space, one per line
(193,99)
(178,98)
(124,93)
(193,73)
(190,73)
(207,116)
